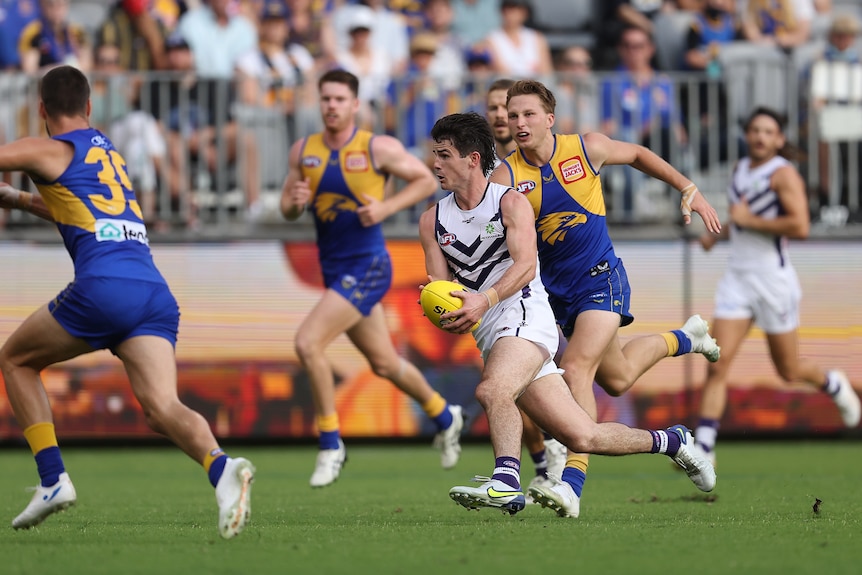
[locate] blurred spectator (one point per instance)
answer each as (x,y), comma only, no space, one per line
(475,19)
(110,97)
(638,105)
(15,15)
(516,50)
(783,23)
(270,73)
(217,38)
(310,26)
(448,64)
(577,93)
(138,28)
(417,100)
(369,63)
(412,11)
(712,27)
(203,138)
(388,31)
(477,80)
(51,40)
(830,84)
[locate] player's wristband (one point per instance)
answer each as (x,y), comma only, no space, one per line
(24,201)
(492,297)
(688,194)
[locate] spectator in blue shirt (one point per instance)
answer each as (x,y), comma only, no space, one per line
(14,17)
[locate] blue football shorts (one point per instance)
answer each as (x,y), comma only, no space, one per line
(363,280)
(105,312)
(608,291)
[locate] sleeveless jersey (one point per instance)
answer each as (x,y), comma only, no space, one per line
(96,211)
(750,250)
(567,199)
(474,242)
(339,180)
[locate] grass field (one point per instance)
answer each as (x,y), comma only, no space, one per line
(152,511)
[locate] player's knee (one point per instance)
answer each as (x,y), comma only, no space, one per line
(386,369)
(615,387)
(788,373)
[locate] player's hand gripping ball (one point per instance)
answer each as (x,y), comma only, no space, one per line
(436,301)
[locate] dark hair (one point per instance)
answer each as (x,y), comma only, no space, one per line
(526,87)
(501,84)
(779,118)
(64,91)
(468,133)
(340,76)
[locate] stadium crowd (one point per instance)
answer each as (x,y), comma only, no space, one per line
(204,97)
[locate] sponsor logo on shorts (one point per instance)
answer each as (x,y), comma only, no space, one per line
(572,170)
(121,231)
(311,162)
(601,268)
(356,162)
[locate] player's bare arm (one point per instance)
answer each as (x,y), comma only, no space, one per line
(794,222)
(603,151)
(392,158)
(520,224)
(295,192)
(43,158)
(435,262)
(502,175)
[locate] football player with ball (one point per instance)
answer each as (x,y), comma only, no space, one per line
(483,236)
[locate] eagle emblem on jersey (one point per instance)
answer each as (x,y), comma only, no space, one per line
(553,227)
(328,205)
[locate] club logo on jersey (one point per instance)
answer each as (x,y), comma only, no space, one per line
(348,281)
(526,186)
(100,141)
(572,170)
(329,205)
(553,227)
(311,162)
(492,230)
(356,161)
(121,231)
(446,239)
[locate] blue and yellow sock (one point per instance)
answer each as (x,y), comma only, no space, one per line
(214,463)
(43,443)
(575,472)
(508,470)
(677,343)
(328,427)
(438,410)
(540,460)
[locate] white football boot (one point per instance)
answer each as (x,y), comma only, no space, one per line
(328,465)
(558,496)
(448,441)
(45,501)
(693,460)
(697,330)
(846,399)
(492,493)
(233,495)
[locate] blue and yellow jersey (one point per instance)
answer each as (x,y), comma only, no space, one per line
(339,180)
(97,214)
(567,199)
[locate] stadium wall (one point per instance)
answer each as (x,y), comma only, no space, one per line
(242,302)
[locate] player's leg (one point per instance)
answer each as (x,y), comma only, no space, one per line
(592,335)
(546,400)
(622,365)
(533,439)
(151,366)
(731,333)
(38,342)
(784,350)
(332,316)
(371,336)
(510,365)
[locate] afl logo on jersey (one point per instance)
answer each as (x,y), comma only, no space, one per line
(446,239)
(100,141)
(311,162)
(356,161)
(572,170)
(526,186)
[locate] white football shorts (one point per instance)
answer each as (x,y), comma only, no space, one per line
(770,297)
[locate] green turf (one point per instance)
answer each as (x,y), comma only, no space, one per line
(152,511)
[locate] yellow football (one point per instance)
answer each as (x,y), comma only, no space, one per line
(436,301)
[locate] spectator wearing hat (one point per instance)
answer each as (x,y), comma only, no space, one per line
(371,64)
(516,50)
(389,31)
